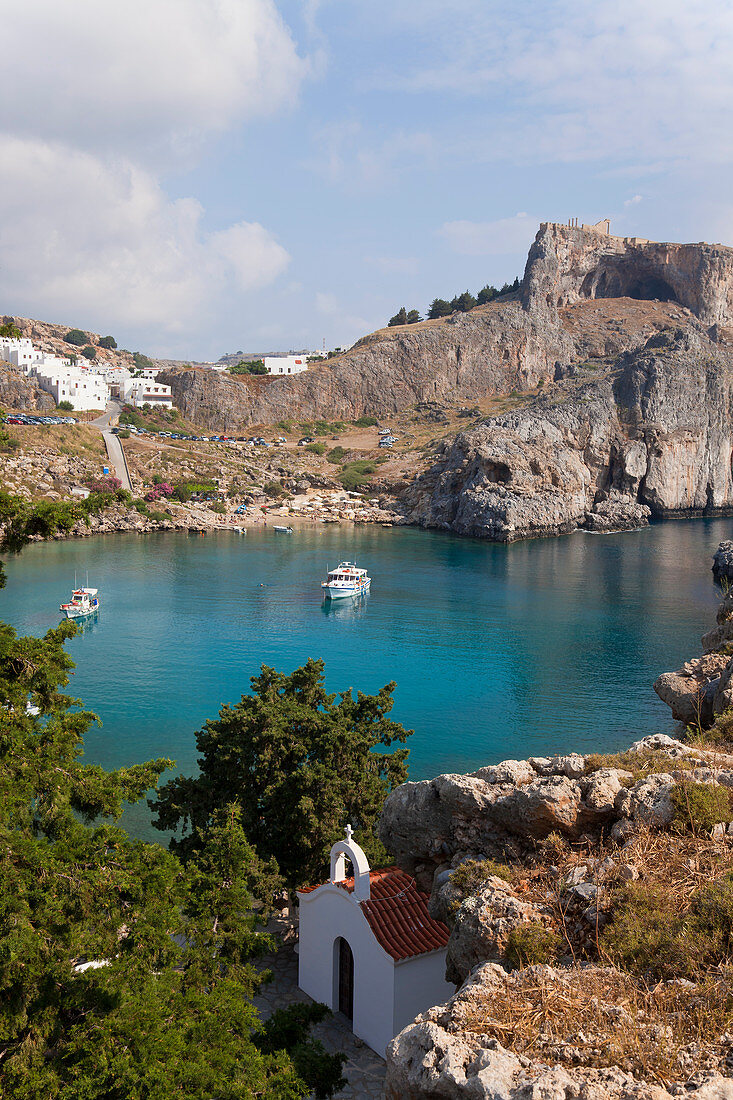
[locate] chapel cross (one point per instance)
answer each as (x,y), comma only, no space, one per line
(349,833)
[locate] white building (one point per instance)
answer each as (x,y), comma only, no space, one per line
(369,948)
(144,391)
(19,353)
(83,388)
(285,364)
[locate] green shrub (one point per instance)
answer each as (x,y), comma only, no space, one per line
(65,406)
(89,352)
(108,342)
(650,938)
(355,475)
(699,806)
(218,507)
(366,422)
(76,337)
(8,442)
(273,489)
(532,943)
(284,426)
(124,434)
(316,448)
(336,455)
(470,875)
(142,362)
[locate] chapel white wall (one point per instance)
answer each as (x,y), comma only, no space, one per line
(419,984)
(326,914)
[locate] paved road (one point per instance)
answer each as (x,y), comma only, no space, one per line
(117,458)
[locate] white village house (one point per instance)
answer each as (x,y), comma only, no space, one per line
(369,948)
(285,364)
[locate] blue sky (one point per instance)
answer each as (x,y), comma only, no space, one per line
(200,176)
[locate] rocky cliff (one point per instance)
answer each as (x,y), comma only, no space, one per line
(631,342)
(21,393)
(575,889)
(611,443)
(569,264)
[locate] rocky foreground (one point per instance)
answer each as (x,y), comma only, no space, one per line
(590,902)
(530,863)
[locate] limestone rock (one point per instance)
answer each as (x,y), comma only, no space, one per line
(690,691)
(648,802)
(723,561)
(444,1055)
(602,789)
(482,925)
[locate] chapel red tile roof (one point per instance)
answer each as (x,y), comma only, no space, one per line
(397,913)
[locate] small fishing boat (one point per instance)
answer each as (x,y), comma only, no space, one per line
(345,580)
(84,602)
(283,530)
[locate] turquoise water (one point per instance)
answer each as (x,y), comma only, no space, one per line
(497,651)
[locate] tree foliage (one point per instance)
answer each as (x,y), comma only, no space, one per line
(122,973)
(257,366)
(300,763)
(9,330)
(404,317)
(89,352)
(76,337)
(439,308)
(108,342)
(142,362)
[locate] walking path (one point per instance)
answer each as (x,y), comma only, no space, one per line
(364,1070)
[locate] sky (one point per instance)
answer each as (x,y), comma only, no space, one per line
(198,177)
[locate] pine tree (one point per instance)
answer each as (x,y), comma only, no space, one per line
(298,763)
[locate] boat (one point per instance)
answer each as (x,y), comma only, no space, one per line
(283,530)
(84,602)
(345,580)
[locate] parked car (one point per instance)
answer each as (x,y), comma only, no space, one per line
(306,439)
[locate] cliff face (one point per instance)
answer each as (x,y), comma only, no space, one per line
(567,265)
(647,433)
(21,393)
(490,350)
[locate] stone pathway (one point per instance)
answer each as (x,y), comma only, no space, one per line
(364,1069)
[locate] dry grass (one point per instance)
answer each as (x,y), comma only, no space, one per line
(597,1017)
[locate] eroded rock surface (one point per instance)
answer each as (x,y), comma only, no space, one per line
(648,433)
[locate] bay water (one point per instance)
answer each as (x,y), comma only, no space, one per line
(497,651)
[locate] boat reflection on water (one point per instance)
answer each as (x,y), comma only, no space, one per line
(87,624)
(353,608)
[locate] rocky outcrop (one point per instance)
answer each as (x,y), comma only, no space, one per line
(702,688)
(453,1051)
(431,826)
(604,449)
(568,264)
(481,926)
(492,349)
(723,562)
(21,393)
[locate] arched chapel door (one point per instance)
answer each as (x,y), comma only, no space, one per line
(345,979)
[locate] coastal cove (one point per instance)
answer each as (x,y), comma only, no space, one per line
(498,651)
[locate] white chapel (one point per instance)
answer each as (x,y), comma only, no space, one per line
(369,948)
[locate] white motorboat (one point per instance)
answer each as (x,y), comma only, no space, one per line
(84,602)
(283,530)
(345,580)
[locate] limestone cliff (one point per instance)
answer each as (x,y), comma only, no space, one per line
(568,264)
(645,433)
(21,393)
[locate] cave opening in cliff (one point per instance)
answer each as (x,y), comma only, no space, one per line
(620,282)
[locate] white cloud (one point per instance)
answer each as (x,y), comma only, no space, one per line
(498,238)
(633,201)
(101,244)
(145,73)
(645,79)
